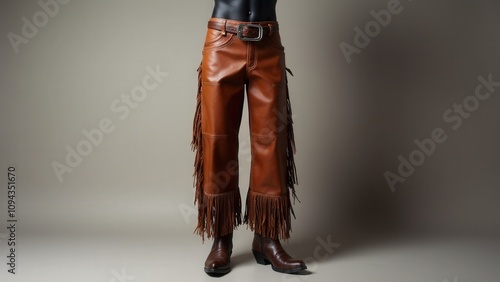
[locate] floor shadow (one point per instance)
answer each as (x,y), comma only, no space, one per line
(242,259)
(328,246)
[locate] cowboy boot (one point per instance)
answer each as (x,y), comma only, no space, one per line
(218,260)
(269,251)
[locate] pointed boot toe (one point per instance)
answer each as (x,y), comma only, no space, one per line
(219,258)
(269,251)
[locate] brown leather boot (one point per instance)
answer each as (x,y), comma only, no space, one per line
(218,260)
(269,251)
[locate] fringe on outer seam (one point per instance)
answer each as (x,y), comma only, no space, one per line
(219,215)
(290,150)
(269,215)
(197,145)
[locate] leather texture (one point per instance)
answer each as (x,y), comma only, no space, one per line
(270,251)
(230,68)
(219,258)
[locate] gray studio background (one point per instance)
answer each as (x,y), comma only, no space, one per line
(352,120)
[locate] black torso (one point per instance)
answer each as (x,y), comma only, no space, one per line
(245,10)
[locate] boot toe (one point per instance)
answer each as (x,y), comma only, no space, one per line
(218,260)
(291,267)
(267,250)
(217,268)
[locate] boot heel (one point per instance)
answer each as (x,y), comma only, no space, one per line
(260,258)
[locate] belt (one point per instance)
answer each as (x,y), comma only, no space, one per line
(245,31)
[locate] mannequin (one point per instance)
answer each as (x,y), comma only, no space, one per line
(243,54)
(245,10)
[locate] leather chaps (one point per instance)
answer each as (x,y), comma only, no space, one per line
(239,58)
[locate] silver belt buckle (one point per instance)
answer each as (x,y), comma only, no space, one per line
(258,38)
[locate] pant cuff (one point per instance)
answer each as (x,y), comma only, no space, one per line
(269,215)
(218,214)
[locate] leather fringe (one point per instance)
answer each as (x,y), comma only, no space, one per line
(269,216)
(197,145)
(290,150)
(219,215)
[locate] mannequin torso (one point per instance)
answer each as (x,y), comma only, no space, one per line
(245,10)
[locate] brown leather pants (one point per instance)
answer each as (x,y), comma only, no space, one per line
(231,66)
